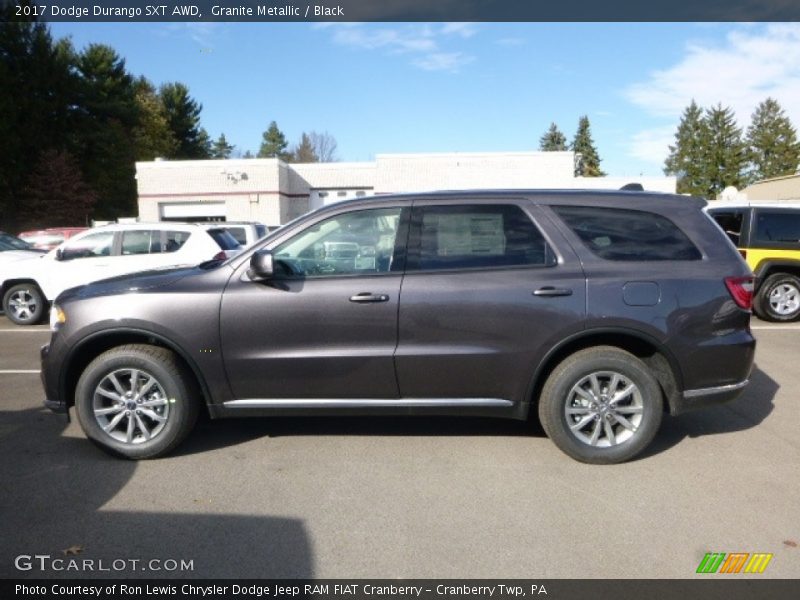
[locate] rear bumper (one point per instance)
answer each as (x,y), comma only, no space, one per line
(702,397)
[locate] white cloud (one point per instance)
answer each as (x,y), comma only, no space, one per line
(427,45)
(752,63)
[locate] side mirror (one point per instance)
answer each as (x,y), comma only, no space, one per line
(60,254)
(262,265)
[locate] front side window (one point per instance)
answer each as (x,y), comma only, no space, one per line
(627,235)
(89,246)
(782,227)
(353,243)
(141,242)
(477,236)
(731,224)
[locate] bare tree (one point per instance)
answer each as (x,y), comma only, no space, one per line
(324,145)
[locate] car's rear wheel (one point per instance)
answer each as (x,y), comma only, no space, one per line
(601,405)
(137,401)
(24,304)
(778,298)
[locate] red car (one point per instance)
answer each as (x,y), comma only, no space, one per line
(47,239)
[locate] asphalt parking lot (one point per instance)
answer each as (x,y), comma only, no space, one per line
(397,497)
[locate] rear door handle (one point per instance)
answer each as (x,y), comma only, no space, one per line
(549,291)
(365,297)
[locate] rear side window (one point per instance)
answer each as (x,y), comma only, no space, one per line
(778,226)
(175,240)
(141,242)
(224,239)
(477,236)
(628,235)
(261,231)
(239,234)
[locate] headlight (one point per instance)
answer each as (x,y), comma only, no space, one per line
(57,317)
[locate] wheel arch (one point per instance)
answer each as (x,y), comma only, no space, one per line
(95,344)
(9,283)
(771,266)
(654,354)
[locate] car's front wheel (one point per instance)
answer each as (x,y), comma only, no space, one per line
(601,405)
(778,298)
(24,304)
(137,401)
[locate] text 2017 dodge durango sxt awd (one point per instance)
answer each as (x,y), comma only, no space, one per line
(595,311)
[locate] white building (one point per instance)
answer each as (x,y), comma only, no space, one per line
(273,192)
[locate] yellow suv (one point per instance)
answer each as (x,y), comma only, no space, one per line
(768,237)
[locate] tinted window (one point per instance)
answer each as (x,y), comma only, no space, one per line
(141,242)
(239,234)
(731,224)
(175,240)
(478,236)
(358,242)
(224,239)
(261,231)
(782,227)
(92,245)
(634,235)
(9,242)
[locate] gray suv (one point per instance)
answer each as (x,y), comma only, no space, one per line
(596,311)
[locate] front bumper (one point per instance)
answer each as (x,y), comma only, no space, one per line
(49,383)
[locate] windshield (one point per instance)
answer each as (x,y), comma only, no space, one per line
(9,242)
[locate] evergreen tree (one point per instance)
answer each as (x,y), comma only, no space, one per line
(248,154)
(726,154)
(221,148)
(553,140)
(273,144)
(152,134)
(304,151)
(183,116)
(773,148)
(587,161)
(107,121)
(687,157)
(56,194)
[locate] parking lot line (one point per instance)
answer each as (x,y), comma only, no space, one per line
(18,371)
(771,327)
(22,330)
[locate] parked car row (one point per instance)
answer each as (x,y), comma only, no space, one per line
(596,311)
(30,282)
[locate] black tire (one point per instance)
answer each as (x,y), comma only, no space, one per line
(35,304)
(642,408)
(763,305)
(174,391)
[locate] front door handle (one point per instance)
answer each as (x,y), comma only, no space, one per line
(365,297)
(550,291)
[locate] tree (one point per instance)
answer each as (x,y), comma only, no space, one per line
(726,154)
(273,144)
(221,148)
(183,116)
(687,157)
(248,154)
(56,194)
(587,161)
(553,140)
(304,151)
(324,145)
(107,118)
(37,102)
(773,149)
(152,136)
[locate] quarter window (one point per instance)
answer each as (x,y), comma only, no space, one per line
(358,242)
(477,236)
(175,240)
(628,235)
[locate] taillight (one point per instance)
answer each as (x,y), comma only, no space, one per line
(741,290)
(219,255)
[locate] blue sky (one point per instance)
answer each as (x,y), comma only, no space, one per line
(438,87)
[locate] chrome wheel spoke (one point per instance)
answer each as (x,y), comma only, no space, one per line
(115,382)
(579,410)
(146,387)
(154,402)
(108,394)
(134,381)
(131,427)
(629,409)
(609,429)
(582,423)
(624,422)
(114,422)
(112,410)
(142,427)
(595,385)
(626,391)
(151,414)
(596,432)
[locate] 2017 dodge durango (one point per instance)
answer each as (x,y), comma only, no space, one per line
(595,312)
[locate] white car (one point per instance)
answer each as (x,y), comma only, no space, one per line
(245,232)
(28,286)
(13,249)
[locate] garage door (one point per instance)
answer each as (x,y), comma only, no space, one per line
(193,211)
